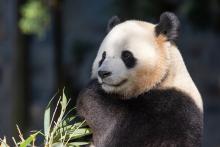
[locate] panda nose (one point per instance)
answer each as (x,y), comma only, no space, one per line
(103,74)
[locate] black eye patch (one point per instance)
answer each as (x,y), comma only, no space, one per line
(103,58)
(128,59)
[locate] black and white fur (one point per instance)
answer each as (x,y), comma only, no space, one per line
(141,94)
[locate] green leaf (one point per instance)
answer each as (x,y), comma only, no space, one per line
(77,144)
(35,17)
(68,120)
(58,144)
(47,121)
(64,100)
(3,143)
(78,133)
(27,142)
(80,124)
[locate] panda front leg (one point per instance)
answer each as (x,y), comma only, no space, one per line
(85,105)
(93,107)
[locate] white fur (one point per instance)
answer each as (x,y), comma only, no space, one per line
(180,78)
(126,36)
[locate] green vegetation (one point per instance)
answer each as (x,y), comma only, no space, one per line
(64,131)
(35,17)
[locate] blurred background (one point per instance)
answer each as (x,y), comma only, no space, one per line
(48,44)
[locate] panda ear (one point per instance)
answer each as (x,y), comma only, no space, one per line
(168,26)
(112,22)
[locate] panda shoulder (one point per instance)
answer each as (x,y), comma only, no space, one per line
(166,100)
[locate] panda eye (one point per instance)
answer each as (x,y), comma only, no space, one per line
(103,58)
(128,59)
(126,54)
(103,55)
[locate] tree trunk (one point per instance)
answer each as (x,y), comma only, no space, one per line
(56,9)
(20,75)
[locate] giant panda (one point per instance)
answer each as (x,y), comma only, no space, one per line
(140,93)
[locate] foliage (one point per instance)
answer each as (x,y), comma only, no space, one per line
(34,17)
(61,132)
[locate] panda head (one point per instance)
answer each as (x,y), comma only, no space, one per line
(134,56)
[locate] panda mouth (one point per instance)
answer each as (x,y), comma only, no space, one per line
(116,85)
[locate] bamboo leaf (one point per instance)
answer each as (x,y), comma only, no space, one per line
(3,143)
(30,139)
(79,133)
(47,121)
(68,120)
(74,144)
(64,100)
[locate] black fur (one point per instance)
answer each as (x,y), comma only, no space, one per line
(128,59)
(158,118)
(168,26)
(103,58)
(112,22)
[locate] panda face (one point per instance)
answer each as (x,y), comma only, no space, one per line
(131,59)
